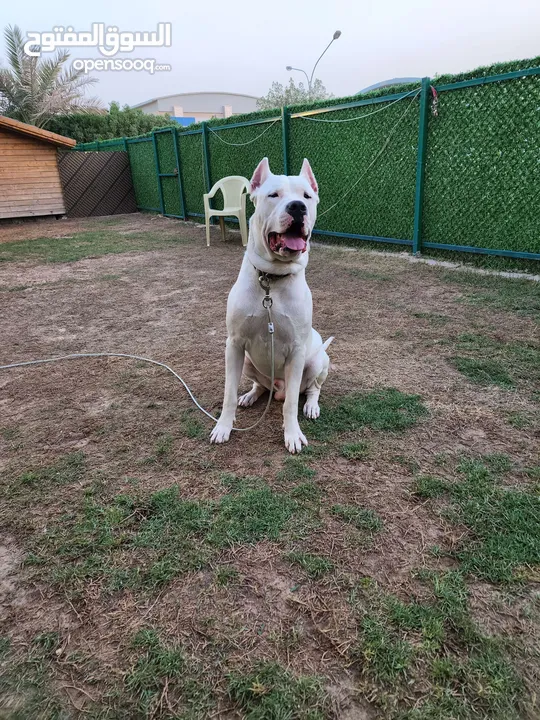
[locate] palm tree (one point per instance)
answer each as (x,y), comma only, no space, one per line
(34,89)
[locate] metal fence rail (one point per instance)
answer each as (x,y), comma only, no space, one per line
(451,166)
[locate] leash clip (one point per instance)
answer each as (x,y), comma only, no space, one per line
(264,282)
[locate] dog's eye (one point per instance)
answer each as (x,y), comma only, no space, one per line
(308,197)
(273,195)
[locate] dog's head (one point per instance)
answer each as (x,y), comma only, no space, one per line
(285,210)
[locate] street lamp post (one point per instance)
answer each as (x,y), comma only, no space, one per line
(310,78)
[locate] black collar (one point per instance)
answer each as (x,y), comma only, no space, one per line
(269,276)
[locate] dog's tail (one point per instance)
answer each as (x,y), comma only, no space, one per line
(327,343)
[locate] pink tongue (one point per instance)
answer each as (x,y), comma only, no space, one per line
(294,243)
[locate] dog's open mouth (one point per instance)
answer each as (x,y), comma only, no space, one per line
(293,239)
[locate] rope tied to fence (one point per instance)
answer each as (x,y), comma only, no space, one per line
(377,156)
(359,117)
(245,143)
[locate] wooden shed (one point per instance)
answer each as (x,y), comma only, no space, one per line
(29,178)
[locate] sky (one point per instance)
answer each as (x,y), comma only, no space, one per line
(243,47)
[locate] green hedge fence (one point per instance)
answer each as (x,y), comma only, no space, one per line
(453,164)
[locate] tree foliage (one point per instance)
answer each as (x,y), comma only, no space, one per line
(292,94)
(34,89)
(117,122)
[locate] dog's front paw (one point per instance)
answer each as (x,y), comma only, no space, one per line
(221,433)
(294,440)
(312,410)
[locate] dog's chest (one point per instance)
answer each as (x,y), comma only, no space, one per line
(291,313)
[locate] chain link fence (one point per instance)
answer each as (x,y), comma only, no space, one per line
(450,165)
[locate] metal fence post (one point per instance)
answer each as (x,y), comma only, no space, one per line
(285,137)
(206,169)
(420,166)
(206,156)
(158,178)
(180,186)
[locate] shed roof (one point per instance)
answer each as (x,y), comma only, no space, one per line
(35,132)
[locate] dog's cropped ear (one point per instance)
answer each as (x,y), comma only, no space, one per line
(307,172)
(262,171)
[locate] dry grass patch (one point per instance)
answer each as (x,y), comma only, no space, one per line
(389,570)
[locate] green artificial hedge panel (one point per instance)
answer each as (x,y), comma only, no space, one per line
(171,196)
(482,182)
(165,147)
(191,169)
(143,173)
(376,200)
(227,157)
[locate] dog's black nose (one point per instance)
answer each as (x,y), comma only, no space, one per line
(296,209)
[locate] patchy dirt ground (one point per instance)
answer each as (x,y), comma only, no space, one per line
(133,431)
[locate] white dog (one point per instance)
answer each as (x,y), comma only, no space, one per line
(278,245)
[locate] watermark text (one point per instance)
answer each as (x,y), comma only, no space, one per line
(148,65)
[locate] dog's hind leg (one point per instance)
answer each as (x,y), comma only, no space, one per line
(251,397)
(315,373)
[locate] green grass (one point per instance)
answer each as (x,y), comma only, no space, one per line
(503,541)
(360,518)
(252,515)
(235,483)
(269,692)
(521,297)
(483,372)
(317,451)
(165,670)
(427,659)
(409,463)
(497,462)
(521,420)
(84,244)
(144,542)
(385,409)
(314,565)
(294,469)
(14,288)
(355,451)
(27,688)
(533,472)
(9,433)
(307,492)
(191,425)
(161,679)
(158,675)
(65,470)
(227,575)
(428,486)
(488,361)
(162,454)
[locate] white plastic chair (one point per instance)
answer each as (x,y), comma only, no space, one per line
(234,203)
